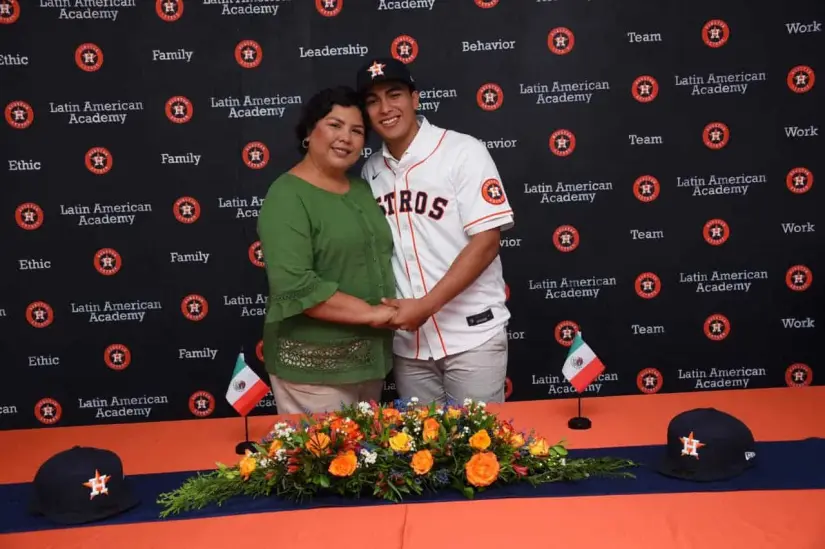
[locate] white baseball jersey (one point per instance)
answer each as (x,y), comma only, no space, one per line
(443,190)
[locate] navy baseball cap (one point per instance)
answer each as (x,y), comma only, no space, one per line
(383,69)
(81,485)
(706,444)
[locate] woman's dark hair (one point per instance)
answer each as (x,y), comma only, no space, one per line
(320,104)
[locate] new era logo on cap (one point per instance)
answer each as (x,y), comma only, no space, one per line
(705,444)
(81,485)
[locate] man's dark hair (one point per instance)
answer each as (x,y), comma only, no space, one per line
(320,104)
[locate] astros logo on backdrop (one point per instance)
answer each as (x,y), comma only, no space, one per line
(117,357)
(255,155)
(19,115)
(801,79)
(169,10)
(29,216)
(48,411)
(560,41)
(799,180)
(99,160)
(716,135)
(329,8)
(566,238)
(9,11)
(201,404)
(256,254)
(39,314)
(650,381)
(404,48)
(89,57)
(562,142)
(646,188)
(187,209)
(799,375)
(565,332)
(179,110)
(194,307)
(716,232)
(715,33)
(108,262)
(648,285)
(249,54)
(490,97)
(645,89)
(486,4)
(717,327)
(799,278)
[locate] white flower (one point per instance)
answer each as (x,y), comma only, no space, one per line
(481,404)
(468,402)
(280,455)
(563,461)
(264,462)
(368,457)
(414,400)
(365,408)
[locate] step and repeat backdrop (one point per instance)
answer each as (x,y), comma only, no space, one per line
(661,157)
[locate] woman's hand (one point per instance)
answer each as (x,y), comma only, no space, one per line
(382,316)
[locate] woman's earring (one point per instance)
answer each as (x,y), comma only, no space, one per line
(305,142)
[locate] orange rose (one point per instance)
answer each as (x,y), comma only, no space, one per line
(431,428)
(275,446)
(391,415)
(422,413)
(344,465)
(539,447)
(516,440)
(422,462)
(247,465)
(482,469)
(318,444)
(480,440)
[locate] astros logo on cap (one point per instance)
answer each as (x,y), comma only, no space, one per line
(376,69)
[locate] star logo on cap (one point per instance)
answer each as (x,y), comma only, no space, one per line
(690,446)
(376,69)
(98,484)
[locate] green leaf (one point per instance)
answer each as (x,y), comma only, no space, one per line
(468,492)
(323,480)
(560,450)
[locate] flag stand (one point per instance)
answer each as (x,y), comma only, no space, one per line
(242,447)
(579,423)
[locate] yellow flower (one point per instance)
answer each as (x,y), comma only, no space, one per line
(275,446)
(539,447)
(480,440)
(344,465)
(453,413)
(422,462)
(247,465)
(516,440)
(400,442)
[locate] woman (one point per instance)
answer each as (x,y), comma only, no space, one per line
(327,250)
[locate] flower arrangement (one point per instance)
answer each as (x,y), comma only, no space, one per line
(390,451)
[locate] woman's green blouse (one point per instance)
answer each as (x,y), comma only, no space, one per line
(315,243)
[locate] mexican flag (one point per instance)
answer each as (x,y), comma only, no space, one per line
(246,389)
(582,365)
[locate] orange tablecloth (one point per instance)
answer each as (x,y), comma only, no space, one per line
(753,520)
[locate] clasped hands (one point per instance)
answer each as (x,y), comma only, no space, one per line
(401,314)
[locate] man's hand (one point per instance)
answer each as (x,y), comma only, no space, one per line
(382,316)
(412,313)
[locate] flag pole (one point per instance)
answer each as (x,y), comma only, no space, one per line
(580,423)
(242,447)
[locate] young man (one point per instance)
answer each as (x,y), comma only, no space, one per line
(444,201)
